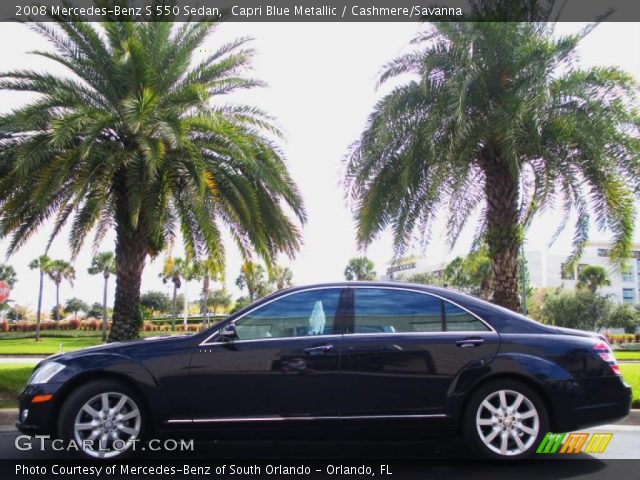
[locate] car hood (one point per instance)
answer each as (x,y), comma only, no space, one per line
(115,347)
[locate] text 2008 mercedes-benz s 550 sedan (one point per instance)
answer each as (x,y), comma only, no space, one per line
(336,361)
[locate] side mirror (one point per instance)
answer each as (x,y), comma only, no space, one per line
(228,332)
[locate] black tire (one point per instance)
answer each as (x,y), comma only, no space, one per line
(84,393)
(472,431)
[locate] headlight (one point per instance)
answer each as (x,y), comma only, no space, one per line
(46,372)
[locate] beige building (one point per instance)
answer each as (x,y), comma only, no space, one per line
(545,270)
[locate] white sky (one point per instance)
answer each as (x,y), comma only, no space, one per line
(321,80)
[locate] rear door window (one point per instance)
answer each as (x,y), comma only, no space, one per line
(380,310)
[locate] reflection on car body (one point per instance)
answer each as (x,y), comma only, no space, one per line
(345,360)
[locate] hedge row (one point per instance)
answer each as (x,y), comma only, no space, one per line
(91,325)
(617,338)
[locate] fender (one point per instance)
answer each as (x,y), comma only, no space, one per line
(532,366)
(547,377)
(114,363)
(91,366)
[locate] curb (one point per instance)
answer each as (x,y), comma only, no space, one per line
(632,419)
(9,416)
(34,355)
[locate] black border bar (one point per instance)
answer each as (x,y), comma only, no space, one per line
(321,10)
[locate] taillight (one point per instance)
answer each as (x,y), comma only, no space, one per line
(604,352)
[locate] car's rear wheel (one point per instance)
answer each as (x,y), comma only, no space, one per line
(505,420)
(104,418)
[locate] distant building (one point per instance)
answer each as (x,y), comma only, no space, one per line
(408,266)
(545,270)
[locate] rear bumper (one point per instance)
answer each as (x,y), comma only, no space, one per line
(598,401)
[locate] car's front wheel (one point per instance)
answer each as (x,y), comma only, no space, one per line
(505,420)
(104,418)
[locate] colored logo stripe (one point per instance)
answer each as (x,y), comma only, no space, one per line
(550,443)
(598,442)
(574,443)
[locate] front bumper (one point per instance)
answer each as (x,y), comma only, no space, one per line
(42,417)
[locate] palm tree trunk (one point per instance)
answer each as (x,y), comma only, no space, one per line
(173,307)
(185,311)
(104,309)
(503,232)
(205,298)
(131,252)
(485,288)
(39,306)
(57,301)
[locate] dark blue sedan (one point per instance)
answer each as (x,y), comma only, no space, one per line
(342,360)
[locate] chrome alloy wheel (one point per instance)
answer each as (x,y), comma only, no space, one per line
(107,425)
(507,422)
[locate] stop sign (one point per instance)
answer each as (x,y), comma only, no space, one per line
(4,291)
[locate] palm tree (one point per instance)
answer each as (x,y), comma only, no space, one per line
(282,277)
(360,268)
(141,139)
(173,270)
(479,271)
(75,305)
(496,118)
(252,277)
(592,277)
(58,271)
(472,273)
(206,270)
(8,274)
(103,263)
(219,298)
(43,264)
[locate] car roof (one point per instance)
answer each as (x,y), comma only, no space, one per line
(501,319)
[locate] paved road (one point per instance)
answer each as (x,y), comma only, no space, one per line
(20,359)
(625,444)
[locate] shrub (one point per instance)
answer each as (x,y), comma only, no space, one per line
(581,309)
(148,326)
(619,338)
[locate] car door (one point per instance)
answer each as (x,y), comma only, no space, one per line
(283,364)
(403,351)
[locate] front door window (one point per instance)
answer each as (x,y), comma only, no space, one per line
(302,314)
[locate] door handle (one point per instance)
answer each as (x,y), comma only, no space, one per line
(318,349)
(470,342)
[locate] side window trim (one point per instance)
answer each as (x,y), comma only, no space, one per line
(207,342)
(443,315)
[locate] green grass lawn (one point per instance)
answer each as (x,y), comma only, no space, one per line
(46,345)
(631,374)
(23,344)
(626,355)
(13,378)
(50,333)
